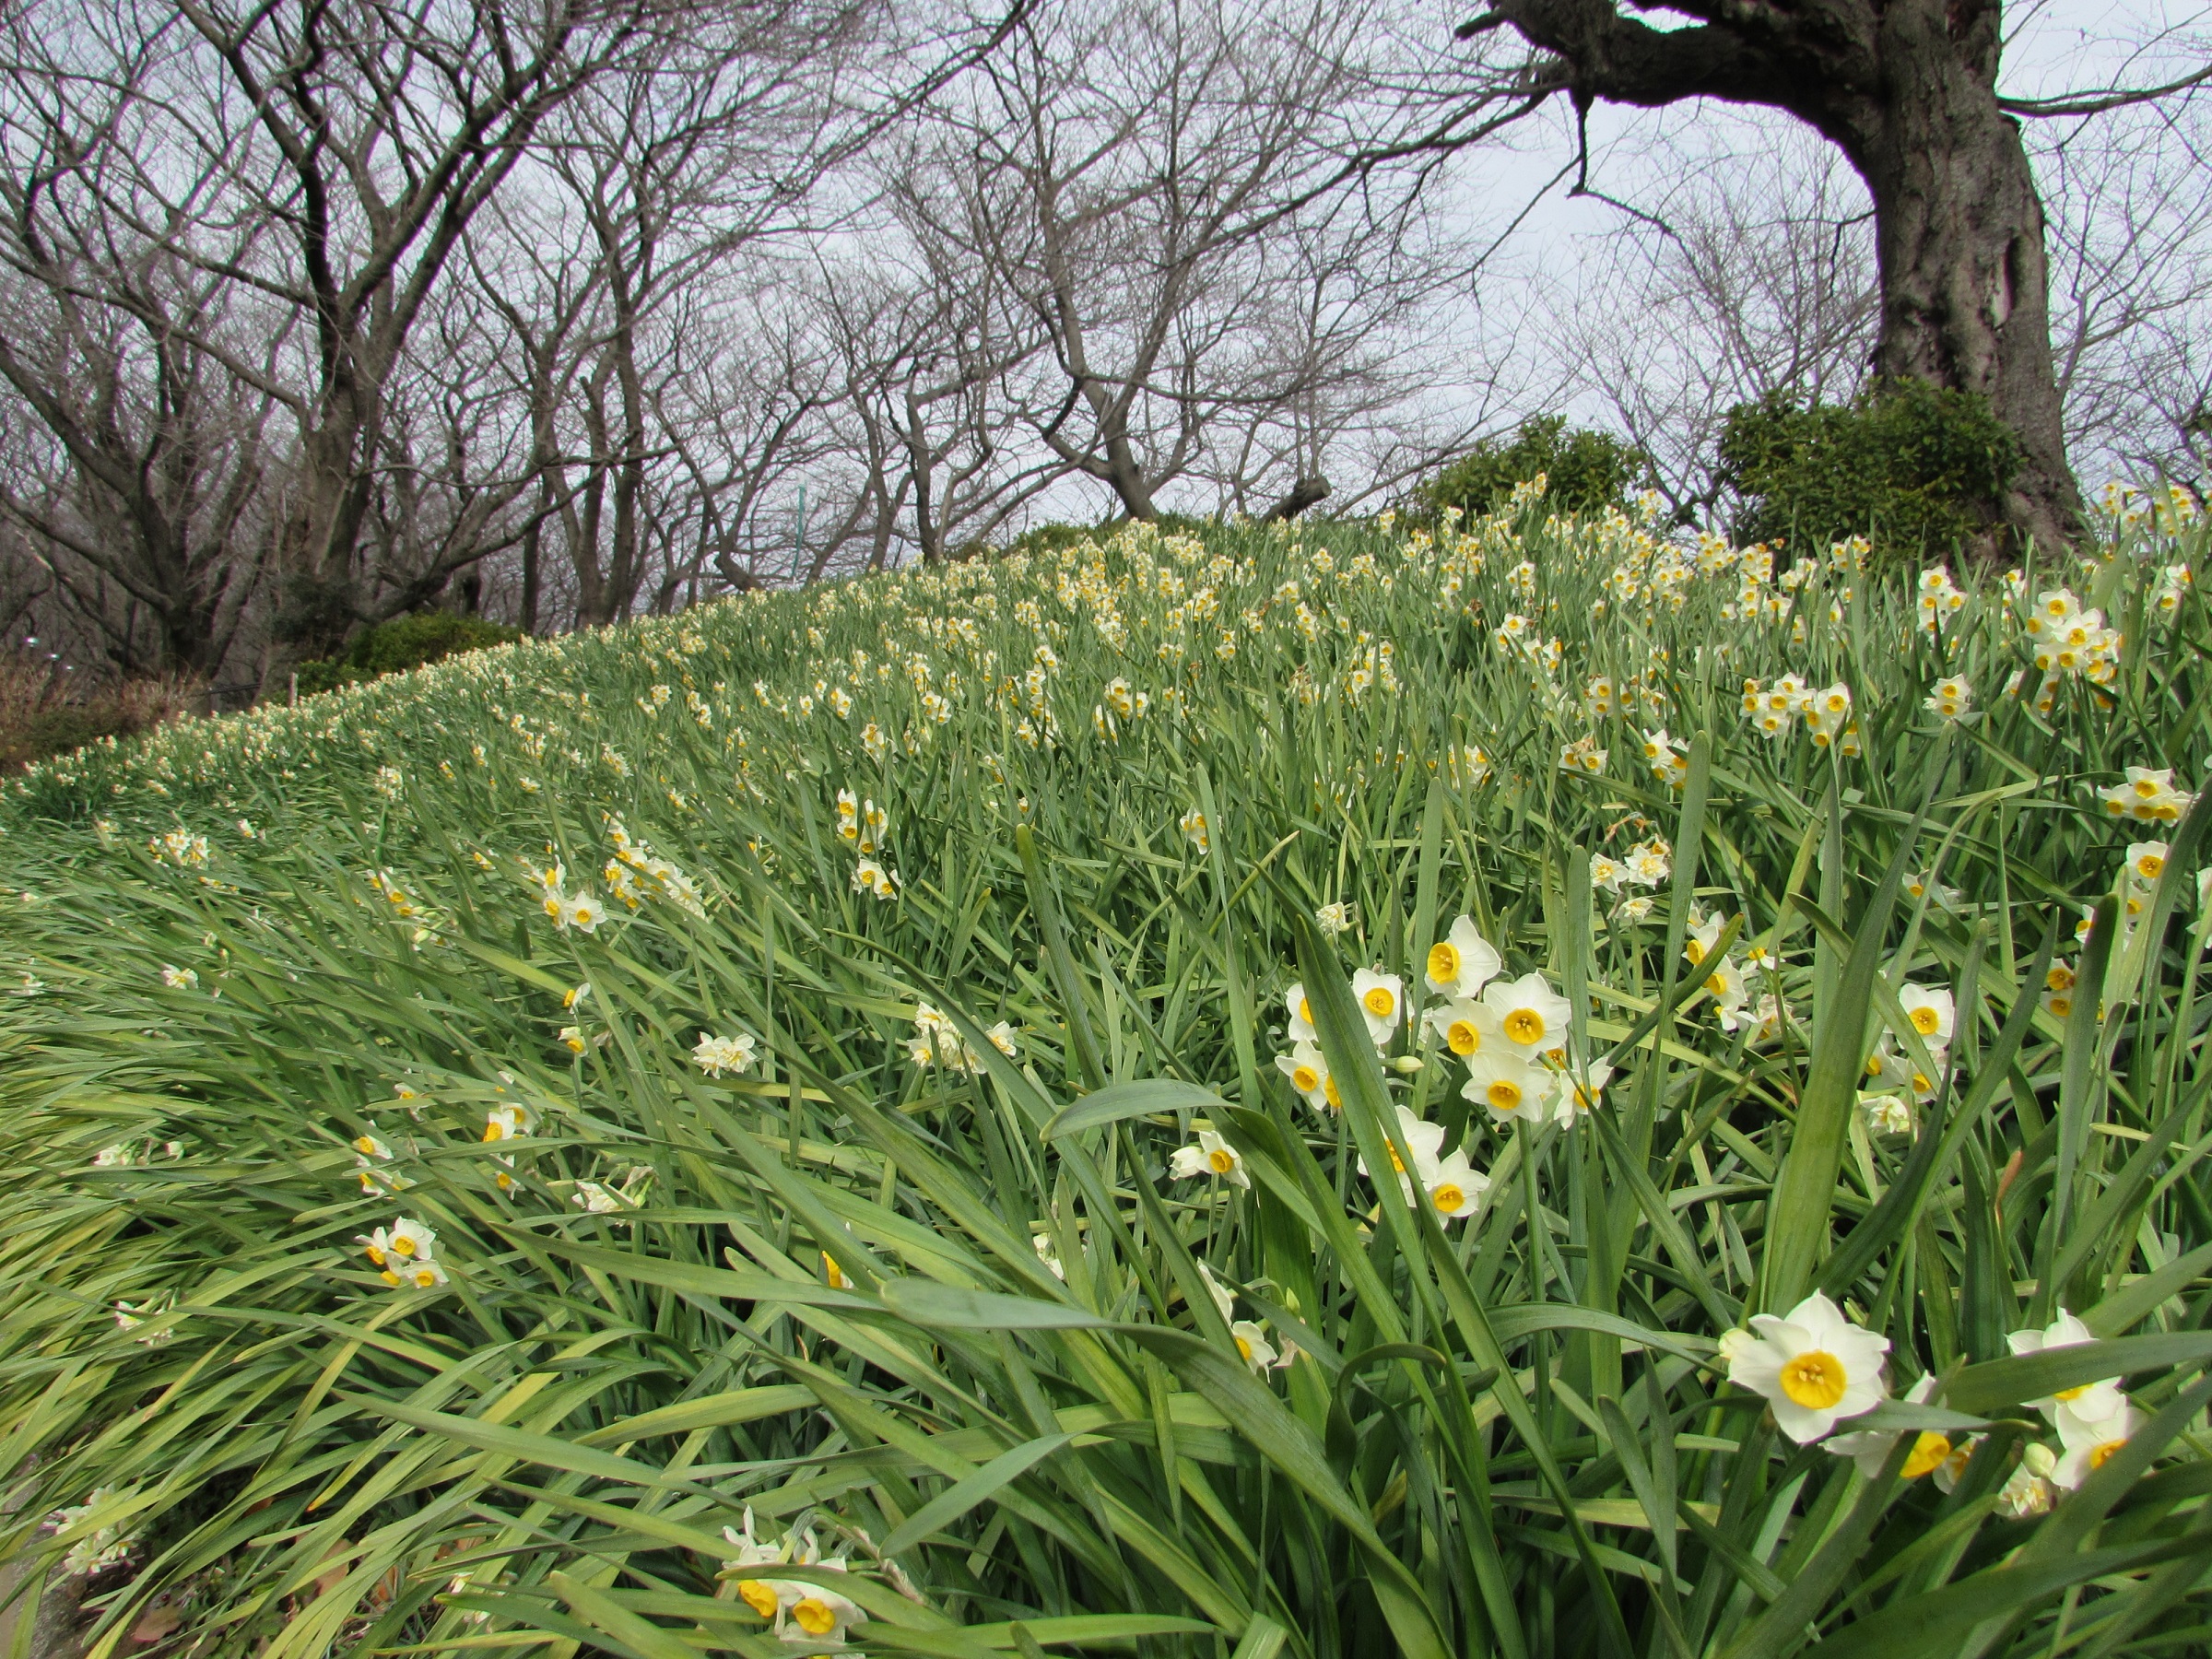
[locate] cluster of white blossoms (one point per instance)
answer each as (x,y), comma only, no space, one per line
(1119,706)
(1776,710)
(937,1042)
(1940,599)
(506,1123)
(716,1055)
(1248,1334)
(2093,1420)
(2145,796)
(860,825)
(180,847)
(1952,700)
(2070,642)
(635,874)
(1646,864)
(1511,1034)
(1896,1081)
(800,1609)
(580,911)
(1449,1183)
(1192,825)
(1816,1369)
(373,1161)
(1584,756)
(404,1254)
(98,1550)
(1742,988)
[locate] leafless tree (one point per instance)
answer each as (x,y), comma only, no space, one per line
(1908,92)
(1131,174)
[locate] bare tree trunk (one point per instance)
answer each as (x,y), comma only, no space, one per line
(1908,92)
(1959,234)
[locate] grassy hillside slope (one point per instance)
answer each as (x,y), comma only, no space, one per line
(795,1124)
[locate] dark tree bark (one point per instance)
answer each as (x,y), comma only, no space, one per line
(1907,91)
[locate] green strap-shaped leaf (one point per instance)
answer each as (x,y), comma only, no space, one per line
(1798,1218)
(1988,1387)
(1142,1099)
(964,1495)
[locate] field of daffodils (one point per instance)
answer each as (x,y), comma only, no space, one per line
(1529,1087)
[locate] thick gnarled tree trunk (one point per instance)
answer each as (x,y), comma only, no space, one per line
(1959,237)
(1907,89)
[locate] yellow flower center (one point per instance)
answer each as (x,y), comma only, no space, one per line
(2062,1005)
(389,1277)
(814,1616)
(1305,1080)
(1222,1160)
(1695,951)
(1305,1010)
(759,1597)
(1245,1350)
(1449,1198)
(1462,1037)
(1444,963)
(1717,983)
(1813,1379)
(1379,1002)
(1525,1026)
(1328,1093)
(425,1277)
(2146,788)
(365,1147)
(1504,1095)
(1926,1021)
(403,1245)
(2073,1393)
(2150,864)
(2100,1454)
(376,1255)
(1928,1455)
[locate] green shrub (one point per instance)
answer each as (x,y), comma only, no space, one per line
(400,645)
(1584,470)
(1916,469)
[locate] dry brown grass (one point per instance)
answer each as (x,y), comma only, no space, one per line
(43,713)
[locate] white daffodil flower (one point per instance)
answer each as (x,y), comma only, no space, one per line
(1931,1011)
(1252,1344)
(1464,1025)
(2028,1491)
(1381,998)
(1301,1015)
(1461,963)
(1211,1155)
(1531,1016)
(1704,933)
(1814,1366)
(2146,863)
(1223,1298)
(2085,1402)
(1577,1091)
(1423,1139)
(714,1055)
(1455,1187)
(2088,1444)
(1869,1448)
(1308,1074)
(1509,1086)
